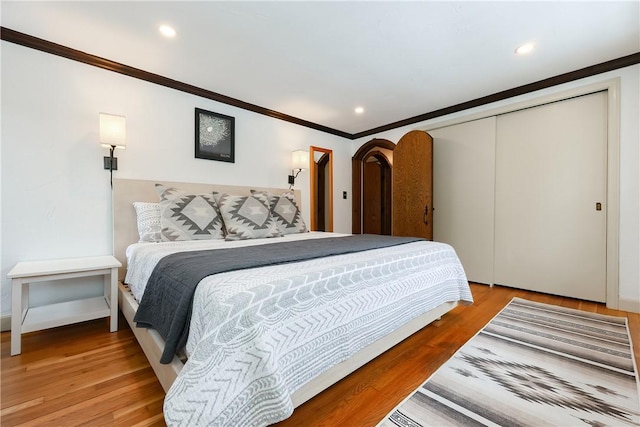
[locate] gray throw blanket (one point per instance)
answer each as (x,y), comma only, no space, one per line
(166,303)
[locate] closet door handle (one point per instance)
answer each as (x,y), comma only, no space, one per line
(426,214)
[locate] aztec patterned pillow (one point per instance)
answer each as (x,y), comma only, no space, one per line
(148,220)
(285,211)
(188,216)
(247,217)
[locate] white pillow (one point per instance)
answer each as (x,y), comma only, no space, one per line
(148,220)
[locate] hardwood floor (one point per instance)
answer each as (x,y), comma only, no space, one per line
(83,375)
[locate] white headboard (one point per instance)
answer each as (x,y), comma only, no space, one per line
(127,191)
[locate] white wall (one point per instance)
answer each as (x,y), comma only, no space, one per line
(55,194)
(629,249)
(55,197)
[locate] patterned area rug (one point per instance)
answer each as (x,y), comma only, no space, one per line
(534,364)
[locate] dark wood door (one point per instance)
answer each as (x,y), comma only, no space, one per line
(372,198)
(376,192)
(321,195)
(413,186)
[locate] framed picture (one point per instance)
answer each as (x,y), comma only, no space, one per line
(214,136)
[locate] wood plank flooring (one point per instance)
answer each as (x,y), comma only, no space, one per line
(82,375)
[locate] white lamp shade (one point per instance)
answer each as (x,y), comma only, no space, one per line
(300,159)
(112,131)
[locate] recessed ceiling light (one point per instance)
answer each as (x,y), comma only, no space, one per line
(167,31)
(359,110)
(525,49)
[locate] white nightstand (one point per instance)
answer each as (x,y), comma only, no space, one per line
(25,319)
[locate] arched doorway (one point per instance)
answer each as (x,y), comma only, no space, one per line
(372,168)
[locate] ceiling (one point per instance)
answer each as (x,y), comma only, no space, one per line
(317,61)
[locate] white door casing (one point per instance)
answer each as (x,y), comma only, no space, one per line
(612,89)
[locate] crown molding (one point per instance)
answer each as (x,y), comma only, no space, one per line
(42,45)
(603,67)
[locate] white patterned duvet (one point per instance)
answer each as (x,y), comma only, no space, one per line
(258,335)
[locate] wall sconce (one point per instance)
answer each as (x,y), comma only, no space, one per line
(299,162)
(112,136)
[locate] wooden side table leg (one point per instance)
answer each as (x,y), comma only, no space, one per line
(16,316)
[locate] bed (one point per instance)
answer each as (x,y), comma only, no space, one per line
(333,315)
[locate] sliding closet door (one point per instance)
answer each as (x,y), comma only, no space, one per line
(550,211)
(463,193)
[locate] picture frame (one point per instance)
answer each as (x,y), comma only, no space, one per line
(214,136)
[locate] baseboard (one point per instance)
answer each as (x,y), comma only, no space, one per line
(5,323)
(629,305)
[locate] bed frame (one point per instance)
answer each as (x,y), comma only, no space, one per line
(125,192)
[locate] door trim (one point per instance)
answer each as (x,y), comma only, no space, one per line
(612,87)
(313,187)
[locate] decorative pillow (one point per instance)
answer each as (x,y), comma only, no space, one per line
(186,216)
(285,211)
(247,217)
(148,220)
